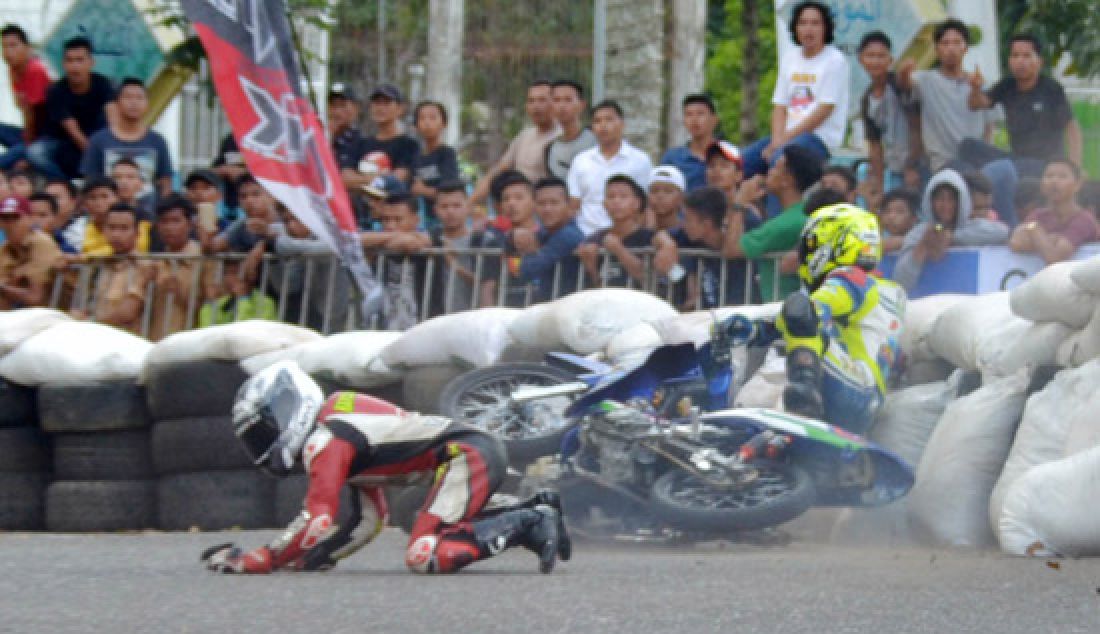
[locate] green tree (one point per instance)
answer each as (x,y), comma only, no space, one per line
(1064,27)
(741,65)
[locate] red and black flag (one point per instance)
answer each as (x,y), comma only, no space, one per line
(255,70)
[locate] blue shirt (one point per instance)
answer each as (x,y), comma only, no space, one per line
(538,267)
(692,167)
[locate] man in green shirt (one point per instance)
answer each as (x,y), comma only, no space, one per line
(239,300)
(796,171)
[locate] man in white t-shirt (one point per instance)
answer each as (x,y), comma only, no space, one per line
(810,103)
(591,168)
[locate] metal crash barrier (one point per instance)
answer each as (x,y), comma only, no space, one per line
(184,292)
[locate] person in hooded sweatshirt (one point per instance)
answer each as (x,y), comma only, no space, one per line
(945,221)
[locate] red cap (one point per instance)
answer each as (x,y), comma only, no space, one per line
(14,206)
(728,150)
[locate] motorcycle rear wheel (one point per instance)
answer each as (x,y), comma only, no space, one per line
(780,493)
(480,398)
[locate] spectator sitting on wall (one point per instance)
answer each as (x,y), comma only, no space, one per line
(238,299)
(575,138)
(897,218)
(1038,117)
(945,221)
(27,258)
(78,105)
(100,194)
(810,103)
(527,151)
(130,138)
(68,224)
(460,271)
(625,201)
(666,199)
(700,121)
(711,224)
(591,168)
(179,283)
(551,250)
(29,82)
(1056,232)
(123,286)
(789,178)
(436,162)
(943,93)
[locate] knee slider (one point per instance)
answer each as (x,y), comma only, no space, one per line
(420,556)
(800,316)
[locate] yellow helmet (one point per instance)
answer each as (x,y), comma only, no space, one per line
(834,236)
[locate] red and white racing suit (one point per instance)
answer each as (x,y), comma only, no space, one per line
(366,442)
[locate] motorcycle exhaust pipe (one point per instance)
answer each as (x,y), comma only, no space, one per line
(533,393)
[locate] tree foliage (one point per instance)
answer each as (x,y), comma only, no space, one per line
(726,75)
(1064,26)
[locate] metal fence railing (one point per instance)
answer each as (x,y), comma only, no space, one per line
(159,294)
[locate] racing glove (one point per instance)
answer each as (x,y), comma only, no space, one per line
(229,559)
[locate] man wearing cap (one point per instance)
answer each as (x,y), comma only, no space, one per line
(666,198)
(724,168)
(26,259)
(204,187)
(386,104)
(527,152)
(700,121)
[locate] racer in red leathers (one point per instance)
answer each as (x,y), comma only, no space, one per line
(364,442)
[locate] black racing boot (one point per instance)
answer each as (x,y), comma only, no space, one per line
(802,395)
(546,497)
(535,529)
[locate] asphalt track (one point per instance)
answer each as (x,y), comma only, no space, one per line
(152,582)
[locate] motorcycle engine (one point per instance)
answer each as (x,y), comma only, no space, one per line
(613,435)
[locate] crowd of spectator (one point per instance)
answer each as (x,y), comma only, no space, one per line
(571,203)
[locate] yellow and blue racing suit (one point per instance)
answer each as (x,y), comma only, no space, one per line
(858,325)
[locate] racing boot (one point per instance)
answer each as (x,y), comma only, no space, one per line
(535,529)
(802,395)
(552,499)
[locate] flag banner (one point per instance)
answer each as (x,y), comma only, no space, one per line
(255,70)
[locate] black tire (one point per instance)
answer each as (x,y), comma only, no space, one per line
(478,398)
(192,388)
(24,450)
(789,493)
(94,506)
(421,386)
(18,406)
(23,501)
(188,445)
(104,406)
(216,500)
(115,455)
(290,495)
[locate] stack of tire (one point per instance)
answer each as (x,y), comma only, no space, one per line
(205,479)
(24,460)
(103,477)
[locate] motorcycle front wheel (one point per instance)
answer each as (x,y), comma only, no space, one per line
(780,493)
(482,398)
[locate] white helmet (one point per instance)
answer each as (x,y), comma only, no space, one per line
(275,411)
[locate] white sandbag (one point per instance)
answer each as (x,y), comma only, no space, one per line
(352,359)
(1051,509)
(920,316)
(695,326)
(1019,344)
(228,342)
(1086,274)
(633,344)
(1049,415)
(949,504)
(584,322)
(962,330)
(18,325)
(1082,346)
(75,353)
(1052,295)
(473,338)
(907,417)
